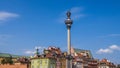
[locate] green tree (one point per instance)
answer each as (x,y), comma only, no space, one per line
(3,61)
(7,61)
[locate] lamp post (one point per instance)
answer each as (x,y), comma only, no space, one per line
(68,23)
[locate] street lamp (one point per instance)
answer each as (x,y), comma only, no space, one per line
(68,23)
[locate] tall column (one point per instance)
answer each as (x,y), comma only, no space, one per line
(69,47)
(68,62)
(68,23)
(69,40)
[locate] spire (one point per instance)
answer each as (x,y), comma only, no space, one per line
(37,51)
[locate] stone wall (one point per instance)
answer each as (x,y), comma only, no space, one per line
(13,66)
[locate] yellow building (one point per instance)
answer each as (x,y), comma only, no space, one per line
(43,62)
(63,62)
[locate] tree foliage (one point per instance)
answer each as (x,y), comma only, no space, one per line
(3,61)
(7,61)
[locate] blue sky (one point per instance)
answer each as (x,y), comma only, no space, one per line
(25,24)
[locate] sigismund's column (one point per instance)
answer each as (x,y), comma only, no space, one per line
(68,23)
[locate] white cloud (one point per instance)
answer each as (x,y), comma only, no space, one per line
(29,52)
(76,14)
(7,15)
(76,9)
(110,49)
(39,47)
(111,35)
(75,17)
(100,51)
(114,47)
(114,35)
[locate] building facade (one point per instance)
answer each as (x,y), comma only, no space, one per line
(43,63)
(104,63)
(83,59)
(54,58)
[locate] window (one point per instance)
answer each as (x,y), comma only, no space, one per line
(32,62)
(45,61)
(51,66)
(40,61)
(45,66)
(37,66)
(40,66)
(32,66)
